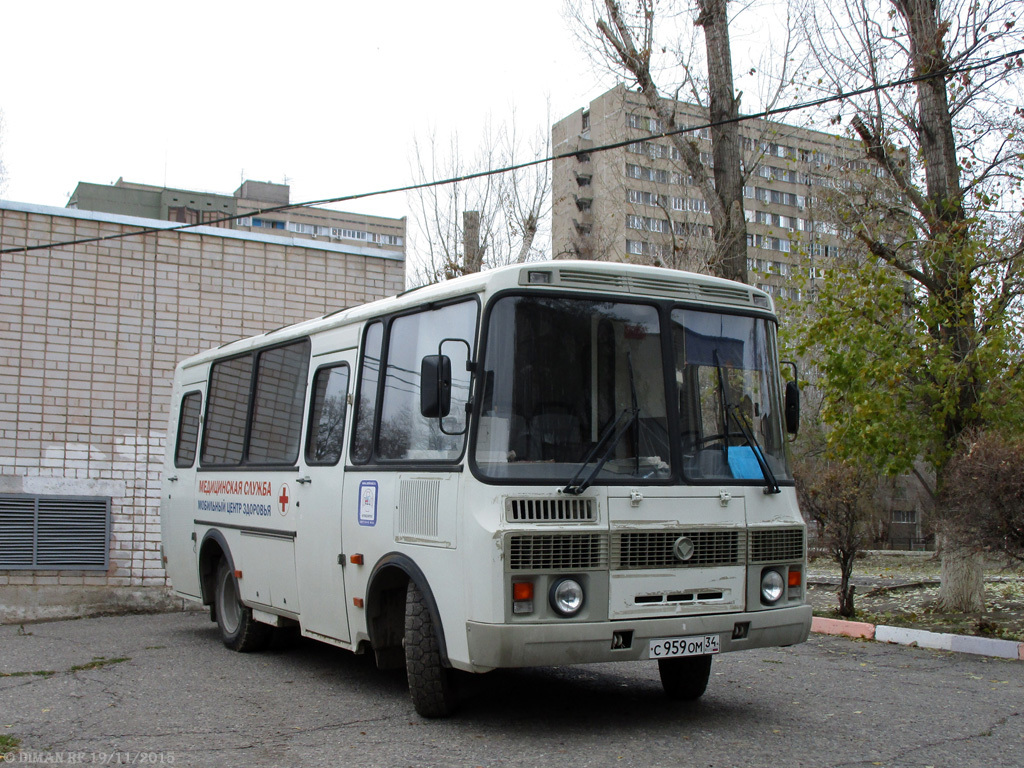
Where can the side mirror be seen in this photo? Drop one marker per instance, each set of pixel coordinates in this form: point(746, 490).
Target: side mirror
point(792, 407)
point(435, 386)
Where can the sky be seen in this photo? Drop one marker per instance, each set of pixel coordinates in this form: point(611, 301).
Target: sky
point(326, 96)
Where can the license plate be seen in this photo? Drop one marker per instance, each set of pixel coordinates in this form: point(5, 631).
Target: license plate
point(671, 647)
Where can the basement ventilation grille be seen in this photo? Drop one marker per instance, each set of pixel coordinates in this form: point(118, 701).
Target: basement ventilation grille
point(54, 533)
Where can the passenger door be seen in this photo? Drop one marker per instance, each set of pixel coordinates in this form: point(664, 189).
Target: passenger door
point(317, 494)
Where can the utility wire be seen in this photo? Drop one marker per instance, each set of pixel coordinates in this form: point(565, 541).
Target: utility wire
point(945, 72)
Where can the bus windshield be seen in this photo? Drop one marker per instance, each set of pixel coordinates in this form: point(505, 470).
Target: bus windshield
point(560, 372)
point(576, 388)
point(729, 401)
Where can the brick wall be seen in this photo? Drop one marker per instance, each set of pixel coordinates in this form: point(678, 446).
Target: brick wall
point(90, 335)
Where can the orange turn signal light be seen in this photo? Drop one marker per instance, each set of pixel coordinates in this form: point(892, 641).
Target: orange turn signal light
point(795, 578)
point(356, 559)
point(522, 590)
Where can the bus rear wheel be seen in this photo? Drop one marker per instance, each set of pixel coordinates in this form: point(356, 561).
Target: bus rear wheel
point(238, 629)
point(685, 678)
point(430, 683)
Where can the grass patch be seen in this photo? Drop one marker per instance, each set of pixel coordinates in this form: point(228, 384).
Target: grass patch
point(8, 745)
point(903, 592)
point(98, 662)
point(38, 673)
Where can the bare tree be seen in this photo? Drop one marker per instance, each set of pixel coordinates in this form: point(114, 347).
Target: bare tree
point(631, 41)
point(984, 493)
point(511, 209)
point(937, 244)
point(837, 496)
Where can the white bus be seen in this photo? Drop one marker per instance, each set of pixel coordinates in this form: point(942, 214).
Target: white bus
point(542, 464)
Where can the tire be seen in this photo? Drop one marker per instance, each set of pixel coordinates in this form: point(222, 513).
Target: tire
point(238, 629)
point(685, 678)
point(430, 683)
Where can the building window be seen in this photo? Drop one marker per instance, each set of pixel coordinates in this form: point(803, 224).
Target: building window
point(54, 533)
point(904, 516)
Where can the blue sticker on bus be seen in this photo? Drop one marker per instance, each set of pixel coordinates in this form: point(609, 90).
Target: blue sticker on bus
point(368, 502)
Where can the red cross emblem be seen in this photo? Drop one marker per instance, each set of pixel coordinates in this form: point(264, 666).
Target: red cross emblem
point(283, 499)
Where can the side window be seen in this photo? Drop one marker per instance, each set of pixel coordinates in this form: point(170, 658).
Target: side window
point(226, 411)
point(327, 415)
point(405, 433)
point(188, 430)
point(366, 408)
point(256, 420)
point(279, 400)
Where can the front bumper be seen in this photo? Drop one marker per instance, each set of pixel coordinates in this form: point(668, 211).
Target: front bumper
point(493, 646)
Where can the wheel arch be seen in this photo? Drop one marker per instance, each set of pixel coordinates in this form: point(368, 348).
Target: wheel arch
point(214, 547)
point(393, 572)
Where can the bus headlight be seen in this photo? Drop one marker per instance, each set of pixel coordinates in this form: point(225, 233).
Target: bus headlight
point(566, 597)
point(772, 586)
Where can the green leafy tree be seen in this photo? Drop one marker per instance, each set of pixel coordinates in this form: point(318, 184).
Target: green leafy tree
point(917, 332)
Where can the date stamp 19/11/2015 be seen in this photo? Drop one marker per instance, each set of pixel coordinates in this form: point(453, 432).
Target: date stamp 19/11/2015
point(30, 757)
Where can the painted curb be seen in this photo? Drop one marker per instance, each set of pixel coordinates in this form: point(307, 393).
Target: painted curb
point(843, 628)
point(979, 646)
point(918, 637)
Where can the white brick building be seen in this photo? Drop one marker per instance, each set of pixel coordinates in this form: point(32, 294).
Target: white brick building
point(90, 335)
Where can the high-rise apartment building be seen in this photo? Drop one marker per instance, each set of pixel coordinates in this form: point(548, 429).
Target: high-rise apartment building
point(193, 207)
point(638, 203)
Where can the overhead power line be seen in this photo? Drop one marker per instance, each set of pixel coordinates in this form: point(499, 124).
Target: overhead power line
point(945, 72)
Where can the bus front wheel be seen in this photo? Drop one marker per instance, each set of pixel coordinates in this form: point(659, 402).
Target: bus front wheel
point(238, 629)
point(430, 682)
point(685, 678)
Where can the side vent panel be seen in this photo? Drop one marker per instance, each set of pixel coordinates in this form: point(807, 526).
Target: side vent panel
point(418, 509)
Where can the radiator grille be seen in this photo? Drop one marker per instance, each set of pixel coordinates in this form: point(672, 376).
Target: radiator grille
point(550, 510)
point(776, 545)
point(656, 549)
point(557, 552)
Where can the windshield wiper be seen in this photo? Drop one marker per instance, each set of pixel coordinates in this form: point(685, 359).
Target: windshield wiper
point(574, 487)
point(729, 409)
point(748, 434)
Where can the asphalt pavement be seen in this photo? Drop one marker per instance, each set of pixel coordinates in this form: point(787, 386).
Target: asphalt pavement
point(162, 690)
